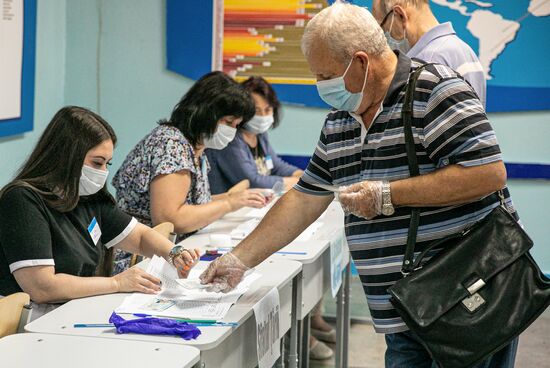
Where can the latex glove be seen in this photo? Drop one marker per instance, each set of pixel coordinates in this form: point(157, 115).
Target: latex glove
point(224, 273)
point(363, 199)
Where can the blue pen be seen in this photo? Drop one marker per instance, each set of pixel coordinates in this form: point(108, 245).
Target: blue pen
point(142, 315)
point(102, 325)
point(220, 324)
point(292, 253)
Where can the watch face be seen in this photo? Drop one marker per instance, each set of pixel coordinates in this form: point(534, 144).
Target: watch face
point(387, 210)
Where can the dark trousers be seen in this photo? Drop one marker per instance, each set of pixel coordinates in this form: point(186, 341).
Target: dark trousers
point(404, 350)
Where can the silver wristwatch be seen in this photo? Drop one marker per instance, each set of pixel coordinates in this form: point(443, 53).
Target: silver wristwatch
point(387, 206)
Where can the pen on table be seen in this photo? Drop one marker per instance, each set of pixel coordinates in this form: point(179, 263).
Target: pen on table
point(200, 324)
point(178, 319)
point(194, 321)
point(81, 325)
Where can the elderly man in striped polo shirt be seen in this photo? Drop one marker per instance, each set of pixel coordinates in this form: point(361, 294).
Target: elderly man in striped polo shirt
point(362, 147)
point(411, 27)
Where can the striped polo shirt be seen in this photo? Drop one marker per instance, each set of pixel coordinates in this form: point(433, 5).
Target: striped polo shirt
point(449, 127)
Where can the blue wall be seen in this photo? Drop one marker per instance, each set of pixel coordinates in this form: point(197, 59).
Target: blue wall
point(49, 81)
point(110, 56)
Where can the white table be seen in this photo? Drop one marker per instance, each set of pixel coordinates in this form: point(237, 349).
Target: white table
point(314, 280)
point(59, 351)
point(219, 346)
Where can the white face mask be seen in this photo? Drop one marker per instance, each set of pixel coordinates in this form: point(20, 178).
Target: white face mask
point(91, 180)
point(259, 124)
point(221, 138)
point(403, 45)
point(333, 92)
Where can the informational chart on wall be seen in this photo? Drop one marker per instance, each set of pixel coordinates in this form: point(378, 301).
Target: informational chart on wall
point(17, 48)
point(250, 37)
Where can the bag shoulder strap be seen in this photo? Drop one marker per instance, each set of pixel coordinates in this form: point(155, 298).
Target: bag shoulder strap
point(406, 116)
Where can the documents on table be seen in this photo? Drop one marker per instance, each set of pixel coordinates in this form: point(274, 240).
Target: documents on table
point(260, 212)
point(184, 298)
point(244, 229)
point(268, 334)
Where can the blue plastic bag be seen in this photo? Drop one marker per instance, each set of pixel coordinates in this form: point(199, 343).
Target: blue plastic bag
point(155, 326)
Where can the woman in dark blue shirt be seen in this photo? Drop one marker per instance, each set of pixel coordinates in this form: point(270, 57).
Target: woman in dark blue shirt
point(249, 155)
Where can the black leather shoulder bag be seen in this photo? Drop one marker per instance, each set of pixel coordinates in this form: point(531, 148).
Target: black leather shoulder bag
point(479, 292)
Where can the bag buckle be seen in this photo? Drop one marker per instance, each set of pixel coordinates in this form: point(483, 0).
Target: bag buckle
point(474, 301)
point(405, 273)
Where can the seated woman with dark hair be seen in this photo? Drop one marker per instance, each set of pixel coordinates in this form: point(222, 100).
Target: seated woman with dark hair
point(250, 155)
point(165, 176)
point(57, 219)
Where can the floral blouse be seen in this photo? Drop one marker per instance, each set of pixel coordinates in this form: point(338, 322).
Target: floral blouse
point(163, 151)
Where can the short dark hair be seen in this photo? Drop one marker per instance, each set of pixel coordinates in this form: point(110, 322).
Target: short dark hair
point(259, 85)
point(54, 167)
point(212, 97)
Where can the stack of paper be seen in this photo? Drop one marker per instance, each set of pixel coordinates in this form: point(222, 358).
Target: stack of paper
point(184, 298)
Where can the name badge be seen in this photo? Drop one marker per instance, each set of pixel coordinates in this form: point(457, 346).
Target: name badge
point(204, 169)
point(268, 162)
point(94, 230)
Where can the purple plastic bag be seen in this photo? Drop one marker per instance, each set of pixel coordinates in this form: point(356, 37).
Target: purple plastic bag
point(155, 326)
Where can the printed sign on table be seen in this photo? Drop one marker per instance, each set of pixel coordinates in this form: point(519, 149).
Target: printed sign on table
point(267, 312)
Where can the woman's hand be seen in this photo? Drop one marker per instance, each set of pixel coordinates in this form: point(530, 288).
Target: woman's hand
point(135, 279)
point(185, 261)
point(246, 198)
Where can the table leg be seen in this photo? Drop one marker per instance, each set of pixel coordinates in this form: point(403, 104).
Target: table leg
point(304, 346)
point(346, 320)
point(280, 363)
point(339, 348)
point(293, 358)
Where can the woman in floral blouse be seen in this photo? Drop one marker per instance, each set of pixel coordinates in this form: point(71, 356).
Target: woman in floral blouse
point(165, 176)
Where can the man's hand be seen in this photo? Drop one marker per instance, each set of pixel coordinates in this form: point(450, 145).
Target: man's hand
point(224, 273)
point(363, 199)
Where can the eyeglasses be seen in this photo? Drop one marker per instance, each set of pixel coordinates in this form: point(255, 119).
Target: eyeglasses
point(385, 18)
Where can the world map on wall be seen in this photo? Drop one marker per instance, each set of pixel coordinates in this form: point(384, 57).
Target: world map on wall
point(509, 37)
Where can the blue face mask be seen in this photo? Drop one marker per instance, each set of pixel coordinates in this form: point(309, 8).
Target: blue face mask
point(334, 92)
point(403, 46)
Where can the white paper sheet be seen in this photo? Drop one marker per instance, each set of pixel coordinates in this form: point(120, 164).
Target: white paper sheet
point(260, 212)
point(180, 301)
point(11, 58)
point(244, 229)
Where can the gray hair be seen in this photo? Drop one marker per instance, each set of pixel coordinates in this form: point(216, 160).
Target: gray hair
point(387, 5)
point(345, 29)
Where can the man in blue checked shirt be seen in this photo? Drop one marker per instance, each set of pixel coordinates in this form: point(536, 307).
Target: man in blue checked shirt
point(362, 151)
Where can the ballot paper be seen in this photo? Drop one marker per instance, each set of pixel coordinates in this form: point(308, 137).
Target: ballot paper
point(244, 229)
point(261, 212)
point(184, 298)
